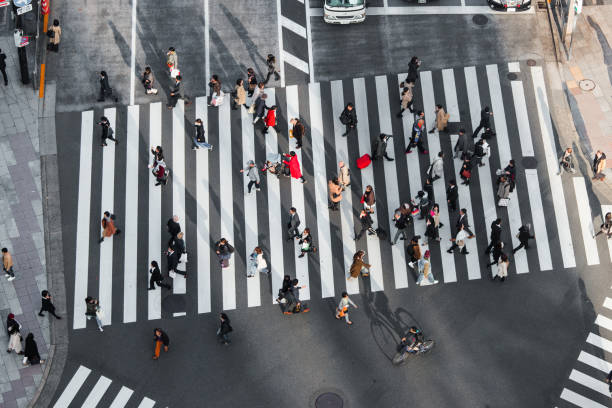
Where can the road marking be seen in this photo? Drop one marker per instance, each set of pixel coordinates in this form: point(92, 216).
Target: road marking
point(505, 155)
point(202, 215)
point(75, 384)
point(450, 93)
point(326, 269)
point(556, 187)
point(207, 44)
point(179, 314)
point(462, 3)
point(393, 196)
point(309, 39)
point(179, 285)
point(154, 310)
point(579, 400)
point(94, 397)
point(346, 205)
point(274, 213)
point(250, 208)
point(421, 10)
point(133, 53)
point(81, 265)
point(122, 398)
point(297, 194)
point(589, 382)
point(603, 321)
point(608, 303)
point(281, 54)
point(448, 260)
point(367, 178)
point(514, 67)
point(130, 265)
point(293, 26)
point(600, 342)
point(146, 403)
point(604, 210)
point(295, 62)
point(226, 199)
point(386, 3)
point(522, 119)
point(586, 221)
point(105, 295)
point(538, 219)
point(595, 362)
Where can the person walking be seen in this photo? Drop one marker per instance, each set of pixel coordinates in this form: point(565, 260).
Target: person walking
point(496, 231)
point(599, 165)
point(502, 268)
point(463, 221)
point(305, 241)
point(293, 303)
point(257, 263)
point(177, 91)
point(503, 191)
point(433, 224)
point(401, 224)
point(413, 66)
point(294, 166)
point(485, 121)
point(271, 63)
point(3, 67)
point(452, 195)
point(107, 130)
point(156, 277)
point(239, 95)
point(258, 91)
point(609, 381)
point(462, 145)
point(416, 139)
point(7, 264)
point(566, 162)
point(348, 118)
point(406, 101)
point(466, 170)
point(292, 224)
point(335, 194)
point(252, 173)
point(172, 261)
point(379, 150)
point(251, 81)
point(282, 292)
point(148, 81)
point(606, 227)
point(93, 309)
point(343, 307)
point(55, 34)
point(199, 141)
point(524, 235)
point(31, 355)
point(368, 199)
point(498, 250)
point(108, 226)
point(178, 245)
point(260, 107)
point(441, 119)
point(224, 329)
point(414, 251)
point(270, 120)
point(481, 150)
point(366, 224)
point(297, 132)
point(421, 201)
point(105, 88)
point(436, 168)
point(172, 62)
point(173, 227)
point(344, 175)
point(13, 328)
point(425, 275)
point(359, 266)
point(217, 96)
point(459, 241)
point(160, 338)
point(47, 305)
point(224, 251)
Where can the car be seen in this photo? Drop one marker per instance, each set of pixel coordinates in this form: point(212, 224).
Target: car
point(510, 5)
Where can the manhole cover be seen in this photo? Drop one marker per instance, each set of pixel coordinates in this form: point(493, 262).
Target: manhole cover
point(329, 400)
point(512, 76)
point(480, 19)
point(529, 162)
point(587, 85)
point(531, 62)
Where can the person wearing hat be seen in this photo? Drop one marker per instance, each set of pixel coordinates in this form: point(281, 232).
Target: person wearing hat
point(253, 174)
point(425, 271)
point(13, 327)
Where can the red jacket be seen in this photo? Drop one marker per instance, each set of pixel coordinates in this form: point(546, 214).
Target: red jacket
point(271, 118)
point(160, 172)
point(294, 166)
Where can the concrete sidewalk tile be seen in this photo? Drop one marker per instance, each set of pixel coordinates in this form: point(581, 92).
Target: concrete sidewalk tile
point(18, 388)
point(571, 84)
point(22, 402)
point(576, 72)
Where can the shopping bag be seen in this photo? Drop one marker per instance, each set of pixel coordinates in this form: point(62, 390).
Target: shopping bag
point(503, 202)
point(364, 161)
point(174, 72)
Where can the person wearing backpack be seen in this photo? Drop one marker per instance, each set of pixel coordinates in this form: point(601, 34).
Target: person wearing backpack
point(348, 118)
point(481, 150)
point(379, 148)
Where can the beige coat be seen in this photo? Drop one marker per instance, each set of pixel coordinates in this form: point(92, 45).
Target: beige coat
point(502, 268)
point(240, 95)
point(7, 261)
point(441, 119)
point(601, 166)
point(57, 36)
point(335, 192)
point(344, 177)
point(357, 266)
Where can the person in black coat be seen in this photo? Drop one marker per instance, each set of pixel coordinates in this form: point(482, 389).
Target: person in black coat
point(173, 228)
point(401, 224)
point(379, 149)
point(178, 245)
point(524, 235)
point(495, 235)
point(293, 224)
point(172, 260)
point(498, 250)
point(452, 195)
point(224, 250)
point(105, 88)
point(47, 305)
point(3, 67)
point(107, 132)
point(366, 224)
point(348, 117)
point(156, 277)
point(413, 66)
point(260, 107)
point(485, 121)
point(160, 338)
point(31, 351)
point(224, 329)
point(463, 221)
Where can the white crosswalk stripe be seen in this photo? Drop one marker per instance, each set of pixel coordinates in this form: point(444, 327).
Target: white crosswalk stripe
point(259, 219)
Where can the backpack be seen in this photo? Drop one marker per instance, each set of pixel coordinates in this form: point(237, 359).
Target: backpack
point(478, 150)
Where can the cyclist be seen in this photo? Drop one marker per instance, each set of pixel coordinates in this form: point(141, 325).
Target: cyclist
point(412, 341)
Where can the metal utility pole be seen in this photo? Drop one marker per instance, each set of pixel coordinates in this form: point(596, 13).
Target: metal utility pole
point(574, 7)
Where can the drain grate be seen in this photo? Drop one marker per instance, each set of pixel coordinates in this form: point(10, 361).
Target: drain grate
point(329, 400)
point(586, 85)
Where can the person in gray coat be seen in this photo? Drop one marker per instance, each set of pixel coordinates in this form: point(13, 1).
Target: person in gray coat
point(379, 149)
point(260, 107)
point(253, 175)
point(463, 144)
point(436, 169)
point(293, 224)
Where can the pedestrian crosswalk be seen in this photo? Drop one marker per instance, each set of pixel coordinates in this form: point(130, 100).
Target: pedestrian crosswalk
point(87, 389)
point(587, 387)
point(209, 194)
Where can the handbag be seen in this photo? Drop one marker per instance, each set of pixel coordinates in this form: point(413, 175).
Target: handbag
point(503, 202)
point(362, 199)
point(174, 72)
point(50, 33)
point(172, 274)
point(466, 173)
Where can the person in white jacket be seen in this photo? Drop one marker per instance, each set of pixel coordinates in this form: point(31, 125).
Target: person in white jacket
point(257, 263)
point(343, 307)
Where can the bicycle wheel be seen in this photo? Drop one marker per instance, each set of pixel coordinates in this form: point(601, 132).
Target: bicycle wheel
point(399, 358)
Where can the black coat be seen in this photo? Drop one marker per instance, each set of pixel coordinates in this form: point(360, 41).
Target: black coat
point(47, 305)
point(156, 274)
point(224, 249)
point(172, 259)
point(349, 117)
point(366, 222)
point(163, 337)
point(178, 246)
point(173, 227)
point(12, 326)
point(31, 350)
point(462, 220)
point(452, 193)
point(200, 134)
point(524, 235)
point(225, 327)
point(495, 232)
point(401, 222)
point(485, 118)
point(104, 83)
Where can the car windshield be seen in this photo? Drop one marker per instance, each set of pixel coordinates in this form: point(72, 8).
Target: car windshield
point(344, 3)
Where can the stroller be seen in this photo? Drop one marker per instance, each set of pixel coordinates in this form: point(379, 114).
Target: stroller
point(274, 165)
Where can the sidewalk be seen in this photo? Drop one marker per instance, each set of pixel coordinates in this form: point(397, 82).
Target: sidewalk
point(21, 231)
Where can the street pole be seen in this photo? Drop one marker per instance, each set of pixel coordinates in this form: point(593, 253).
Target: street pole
point(575, 7)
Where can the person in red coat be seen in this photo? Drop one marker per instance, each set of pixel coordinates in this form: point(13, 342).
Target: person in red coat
point(270, 119)
point(294, 166)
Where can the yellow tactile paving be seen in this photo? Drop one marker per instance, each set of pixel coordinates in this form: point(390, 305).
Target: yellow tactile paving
point(576, 73)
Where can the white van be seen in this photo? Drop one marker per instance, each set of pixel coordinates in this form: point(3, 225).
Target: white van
point(344, 11)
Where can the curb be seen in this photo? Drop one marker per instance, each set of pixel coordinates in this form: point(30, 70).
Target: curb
point(58, 349)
